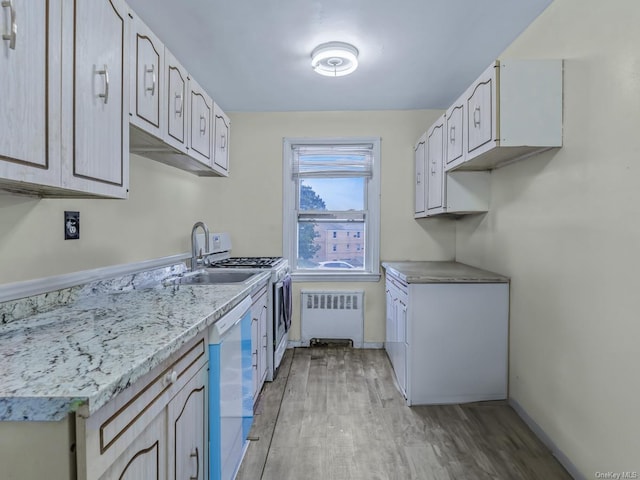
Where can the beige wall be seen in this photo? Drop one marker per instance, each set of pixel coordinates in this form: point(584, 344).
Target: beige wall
point(565, 225)
point(255, 219)
point(165, 202)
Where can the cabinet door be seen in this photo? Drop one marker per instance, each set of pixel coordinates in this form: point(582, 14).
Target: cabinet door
point(435, 164)
point(255, 349)
point(145, 457)
point(389, 324)
point(222, 126)
point(455, 134)
point(481, 114)
point(402, 348)
point(96, 134)
point(176, 104)
point(187, 430)
point(147, 81)
point(201, 108)
point(262, 353)
point(30, 91)
point(420, 180)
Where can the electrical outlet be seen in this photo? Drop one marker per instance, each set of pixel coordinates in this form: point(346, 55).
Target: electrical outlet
point(71, 225)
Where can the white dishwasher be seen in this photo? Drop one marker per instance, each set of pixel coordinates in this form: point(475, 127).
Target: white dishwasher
point(230, 391)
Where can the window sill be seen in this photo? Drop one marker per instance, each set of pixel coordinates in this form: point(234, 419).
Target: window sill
point(335, 277)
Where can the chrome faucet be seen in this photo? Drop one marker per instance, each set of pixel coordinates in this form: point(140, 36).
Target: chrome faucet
point(194, 253)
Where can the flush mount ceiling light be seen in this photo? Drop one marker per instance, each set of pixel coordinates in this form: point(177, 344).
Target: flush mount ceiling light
point(334, 59)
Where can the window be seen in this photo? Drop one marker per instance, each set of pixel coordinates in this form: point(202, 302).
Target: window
point(332, 195)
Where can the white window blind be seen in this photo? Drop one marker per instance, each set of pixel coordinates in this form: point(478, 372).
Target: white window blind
point(332, 161)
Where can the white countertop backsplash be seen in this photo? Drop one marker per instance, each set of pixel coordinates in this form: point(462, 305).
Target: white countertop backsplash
point(83, 345)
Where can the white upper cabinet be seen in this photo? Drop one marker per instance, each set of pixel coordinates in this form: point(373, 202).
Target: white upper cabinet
point(171, 115)
point(455, 136)
point(420, 180)
point(514, 109)
point(454, 193)
point(29, 93)
point(147, 77)
point(201, 113)
point(176, 79)
point(222, 126)
point(95, 100)
point(435, 163)
point(64, 114)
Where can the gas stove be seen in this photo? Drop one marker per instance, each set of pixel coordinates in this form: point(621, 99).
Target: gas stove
point(247, 262)
point(219, 256)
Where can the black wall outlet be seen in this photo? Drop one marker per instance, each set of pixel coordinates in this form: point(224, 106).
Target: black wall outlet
point(71, 225)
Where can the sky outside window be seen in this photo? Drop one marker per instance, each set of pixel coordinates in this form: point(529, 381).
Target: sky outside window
point(338, 193)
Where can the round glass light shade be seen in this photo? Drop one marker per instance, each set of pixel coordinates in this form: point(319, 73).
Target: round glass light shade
point(334, 59)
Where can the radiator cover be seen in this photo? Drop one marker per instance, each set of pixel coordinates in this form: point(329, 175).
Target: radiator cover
point(335, 315)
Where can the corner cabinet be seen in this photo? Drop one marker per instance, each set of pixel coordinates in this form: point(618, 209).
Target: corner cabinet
point(155, 429)
point(447, 342)
point(513, 110)
point(65, 113)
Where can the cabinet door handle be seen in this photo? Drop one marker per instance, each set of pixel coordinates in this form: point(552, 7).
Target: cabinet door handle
point(254, 365)
point(419, 179)
point(476, 116)
point(203, 125)
point(152, 71)
point(223, 137)
point(452, 134)
point(13, 29)
point(197, 455)
point(178, 101)
point(105, 72)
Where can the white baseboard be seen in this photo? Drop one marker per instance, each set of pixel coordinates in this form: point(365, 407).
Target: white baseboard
point(544, 438)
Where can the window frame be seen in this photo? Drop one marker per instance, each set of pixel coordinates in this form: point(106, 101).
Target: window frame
point(372, 219)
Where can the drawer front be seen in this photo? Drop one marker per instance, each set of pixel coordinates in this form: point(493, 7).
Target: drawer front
point(112, 429)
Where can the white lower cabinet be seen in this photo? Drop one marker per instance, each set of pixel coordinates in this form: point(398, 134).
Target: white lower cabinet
point(447, 342)
point(155, 429)
point(259, 317)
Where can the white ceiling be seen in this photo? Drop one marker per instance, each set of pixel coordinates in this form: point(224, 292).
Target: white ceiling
point(254, 55)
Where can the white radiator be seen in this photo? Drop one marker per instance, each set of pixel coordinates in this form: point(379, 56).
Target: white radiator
point(335, 315)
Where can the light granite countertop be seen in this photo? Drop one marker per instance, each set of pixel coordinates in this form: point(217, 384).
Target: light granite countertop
point(88, 350)
point(441, 272)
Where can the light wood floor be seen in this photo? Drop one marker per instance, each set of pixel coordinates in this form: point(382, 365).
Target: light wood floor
point(335, 414)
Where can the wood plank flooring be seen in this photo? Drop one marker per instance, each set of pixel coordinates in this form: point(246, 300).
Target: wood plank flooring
point(335, 414)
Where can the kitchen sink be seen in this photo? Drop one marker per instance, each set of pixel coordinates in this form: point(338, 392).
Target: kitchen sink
point(211, 277)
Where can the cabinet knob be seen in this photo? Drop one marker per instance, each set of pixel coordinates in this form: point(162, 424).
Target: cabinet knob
point(170, 378)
